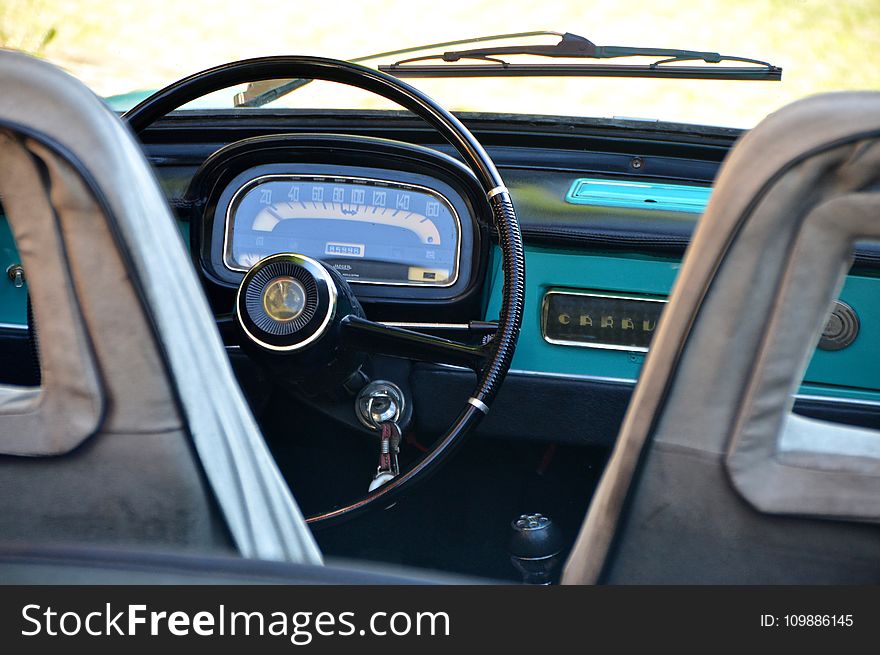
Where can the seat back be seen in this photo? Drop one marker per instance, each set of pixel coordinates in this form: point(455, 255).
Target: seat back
point(138, 433)
point(713, 479)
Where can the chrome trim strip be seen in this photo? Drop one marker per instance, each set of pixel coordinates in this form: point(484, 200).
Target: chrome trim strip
point(577, 377)
point(426, 326)
point(453, 367)
point(545, 308)
point(479, 404)
point(838, 401)
point(244, 188)
point(596, 346)
point(13, 326)
point(496, 191)
point(546, 374)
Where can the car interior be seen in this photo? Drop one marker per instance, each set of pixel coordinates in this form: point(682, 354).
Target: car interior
point(587, 351)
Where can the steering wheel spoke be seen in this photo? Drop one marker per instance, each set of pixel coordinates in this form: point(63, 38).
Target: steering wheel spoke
point(368, 336)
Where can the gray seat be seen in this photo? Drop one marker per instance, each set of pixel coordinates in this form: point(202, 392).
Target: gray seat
point(138, 435)
point(713, 479)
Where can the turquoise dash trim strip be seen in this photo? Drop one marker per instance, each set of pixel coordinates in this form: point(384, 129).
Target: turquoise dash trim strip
point(638, 195)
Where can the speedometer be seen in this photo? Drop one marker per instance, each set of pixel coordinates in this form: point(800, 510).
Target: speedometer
point(372, 231)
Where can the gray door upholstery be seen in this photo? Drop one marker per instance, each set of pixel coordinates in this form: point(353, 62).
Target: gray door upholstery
point(139, 434)
point(713, 480)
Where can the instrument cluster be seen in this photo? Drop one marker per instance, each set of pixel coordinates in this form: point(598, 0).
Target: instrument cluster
point(373, 231)
point(401, 223)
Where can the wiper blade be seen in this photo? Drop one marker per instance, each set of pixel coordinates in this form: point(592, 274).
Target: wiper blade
point(572, 46)
point(261, 93)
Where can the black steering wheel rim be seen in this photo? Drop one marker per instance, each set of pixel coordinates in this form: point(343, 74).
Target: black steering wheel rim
point(491, 375)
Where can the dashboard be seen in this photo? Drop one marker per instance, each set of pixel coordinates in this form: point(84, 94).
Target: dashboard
point(408, 226)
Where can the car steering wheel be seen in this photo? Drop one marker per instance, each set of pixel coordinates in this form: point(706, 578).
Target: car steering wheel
point(492, 361)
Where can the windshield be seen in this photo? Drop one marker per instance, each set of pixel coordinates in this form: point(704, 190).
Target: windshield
point(124, 50)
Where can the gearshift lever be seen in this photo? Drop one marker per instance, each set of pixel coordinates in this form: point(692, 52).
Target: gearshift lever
point(534, 548)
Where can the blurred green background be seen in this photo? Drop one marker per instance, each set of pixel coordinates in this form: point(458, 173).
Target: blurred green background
point(118, 47)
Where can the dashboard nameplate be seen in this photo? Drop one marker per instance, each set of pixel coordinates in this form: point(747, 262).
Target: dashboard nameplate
point(597, 320)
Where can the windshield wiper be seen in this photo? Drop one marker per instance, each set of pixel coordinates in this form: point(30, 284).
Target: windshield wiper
point(572, 46)
point(258, 94)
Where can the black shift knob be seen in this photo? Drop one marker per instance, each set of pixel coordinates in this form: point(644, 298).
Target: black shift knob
point(535, 544)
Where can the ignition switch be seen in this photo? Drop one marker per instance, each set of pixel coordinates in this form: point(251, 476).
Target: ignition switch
point(380, 402)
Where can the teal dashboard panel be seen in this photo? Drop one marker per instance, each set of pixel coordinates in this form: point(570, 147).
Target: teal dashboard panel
point(853, 372)
point(548, 269)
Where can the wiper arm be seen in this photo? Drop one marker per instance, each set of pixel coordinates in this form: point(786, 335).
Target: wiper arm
point(258, 94)
point(572, 46)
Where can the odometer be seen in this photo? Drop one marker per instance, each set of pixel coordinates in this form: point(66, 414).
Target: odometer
point(372, 231)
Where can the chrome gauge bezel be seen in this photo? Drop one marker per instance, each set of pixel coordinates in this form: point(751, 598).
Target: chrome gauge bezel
point(239, 194)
